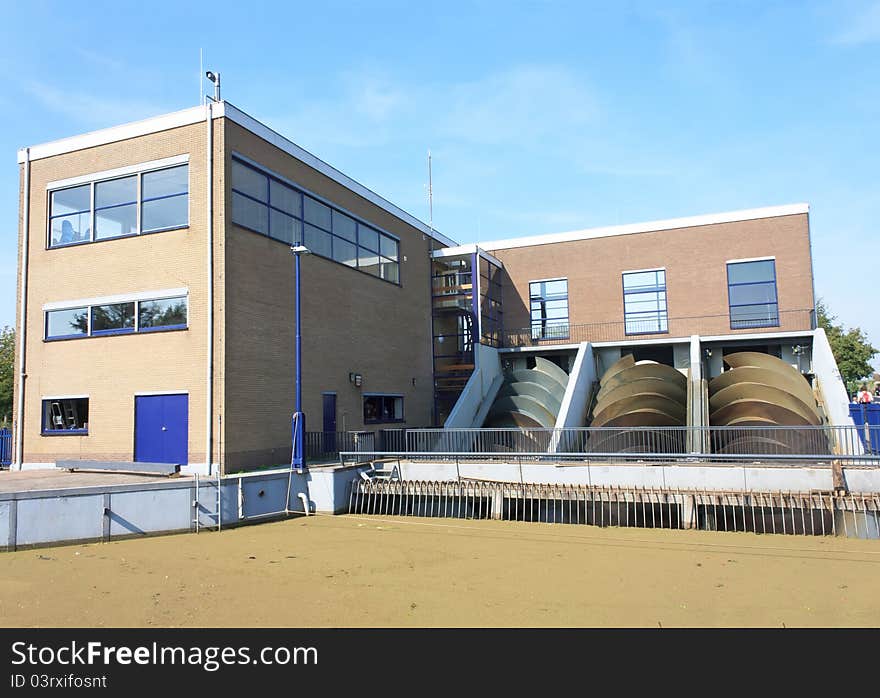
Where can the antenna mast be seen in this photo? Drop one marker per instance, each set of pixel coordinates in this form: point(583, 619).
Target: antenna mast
point(430, 195)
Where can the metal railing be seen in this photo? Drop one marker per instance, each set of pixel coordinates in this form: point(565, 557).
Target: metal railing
point(778, 445)
point(325, 446)
point(5, 448)
point(791, 513)
point(782, 321)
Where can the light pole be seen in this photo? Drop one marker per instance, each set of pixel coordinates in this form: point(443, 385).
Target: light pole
point(298, 428)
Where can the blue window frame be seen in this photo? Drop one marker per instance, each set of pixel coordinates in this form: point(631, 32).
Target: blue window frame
point(68, 323)
point(113, 318)
point(145, 202)
point(70, 215)
point(266, 205)
point(644, 302)
point(751, 289)
point(548, 301)
point(127, 317)
point(65, 416)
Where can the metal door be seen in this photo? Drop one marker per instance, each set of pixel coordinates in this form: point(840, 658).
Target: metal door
point(161, 430)
point(329, 445)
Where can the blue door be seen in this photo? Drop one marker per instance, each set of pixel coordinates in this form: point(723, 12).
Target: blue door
point(329, 404)
point(161, 428)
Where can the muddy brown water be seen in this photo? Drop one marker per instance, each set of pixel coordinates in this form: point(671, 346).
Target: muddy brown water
point(349, 571)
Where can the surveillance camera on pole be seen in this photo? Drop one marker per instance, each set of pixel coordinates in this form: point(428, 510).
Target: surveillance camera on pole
point(215, 78)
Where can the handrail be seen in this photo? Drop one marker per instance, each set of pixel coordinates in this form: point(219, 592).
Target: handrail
point(620, 330)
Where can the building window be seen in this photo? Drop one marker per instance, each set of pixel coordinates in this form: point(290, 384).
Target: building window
point(67, 323)
point(112, 319)
point(751, 288)
point(276, 209)
point(62, 416)
point(383, 408)
point(145, 202)
point(117, 318)
point(165, 314)
point(644, 302)
point(549, 308)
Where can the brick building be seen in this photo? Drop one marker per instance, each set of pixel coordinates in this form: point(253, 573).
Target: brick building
point(156, 295)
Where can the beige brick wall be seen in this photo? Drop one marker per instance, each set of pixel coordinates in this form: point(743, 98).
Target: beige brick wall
point(696, 273)
point(112, 369)
point(352, 322)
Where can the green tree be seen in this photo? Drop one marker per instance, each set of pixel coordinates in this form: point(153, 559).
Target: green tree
point(851, 348)
point(7, 373)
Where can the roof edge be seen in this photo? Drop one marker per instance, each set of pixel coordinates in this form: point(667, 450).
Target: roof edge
point(196, 114)
point(649, 226)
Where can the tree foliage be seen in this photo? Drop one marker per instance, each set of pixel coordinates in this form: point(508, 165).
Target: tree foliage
point(851, 348)
point(7, 372)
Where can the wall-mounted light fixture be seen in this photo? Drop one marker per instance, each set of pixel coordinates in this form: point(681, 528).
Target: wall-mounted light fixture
point(356, 378)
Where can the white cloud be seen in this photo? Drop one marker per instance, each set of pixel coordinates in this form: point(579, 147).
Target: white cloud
point(523, 103)
point(90, 109)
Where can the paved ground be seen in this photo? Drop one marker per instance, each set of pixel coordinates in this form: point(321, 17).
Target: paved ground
point(364, 571)
point(24, 480)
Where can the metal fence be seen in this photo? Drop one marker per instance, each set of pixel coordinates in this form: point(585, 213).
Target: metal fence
point(326, 445)
point(5, 448)
point(536, 335)
point(791, 513)
point(818, 445)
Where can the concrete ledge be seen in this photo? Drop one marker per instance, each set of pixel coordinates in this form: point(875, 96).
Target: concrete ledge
point(120, 466)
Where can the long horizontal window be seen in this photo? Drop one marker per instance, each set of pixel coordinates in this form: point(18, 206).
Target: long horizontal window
point(117, 318)
point(145, 202)
point(65, 416)
point(273, 208)
point(644, 302)
point(751, 288)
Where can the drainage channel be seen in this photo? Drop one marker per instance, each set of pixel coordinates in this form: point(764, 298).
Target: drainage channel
point(787, 513)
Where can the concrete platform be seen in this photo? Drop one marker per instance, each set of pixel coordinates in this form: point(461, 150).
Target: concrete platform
point(41, 480)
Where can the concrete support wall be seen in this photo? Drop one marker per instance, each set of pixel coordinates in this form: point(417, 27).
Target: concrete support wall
point(101, 513)
point(479, 393)
point(605, 357)
point(833, 391)
point(683, 476)
point(576, 400)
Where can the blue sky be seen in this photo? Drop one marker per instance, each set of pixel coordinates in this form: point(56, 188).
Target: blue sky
point(541, 116)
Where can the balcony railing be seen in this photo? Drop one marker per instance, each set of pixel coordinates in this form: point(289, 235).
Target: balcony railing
point(537, 335)
point(776, 445)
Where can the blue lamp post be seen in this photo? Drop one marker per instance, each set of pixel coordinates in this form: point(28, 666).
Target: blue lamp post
point(298, 425)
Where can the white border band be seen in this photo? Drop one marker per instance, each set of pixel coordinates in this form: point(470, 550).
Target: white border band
point(650, 226)
point(119, 172)
point(118, 298)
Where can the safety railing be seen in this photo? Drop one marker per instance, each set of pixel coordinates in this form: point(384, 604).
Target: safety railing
point(5, 448)
point(778, 445)
point(325, 446)
point(791, 513)
point(550, 334)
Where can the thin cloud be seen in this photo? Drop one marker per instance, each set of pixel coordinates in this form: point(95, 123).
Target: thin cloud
point(372, 109)
point(92, 110)
point(522, 103)
point(863, 28)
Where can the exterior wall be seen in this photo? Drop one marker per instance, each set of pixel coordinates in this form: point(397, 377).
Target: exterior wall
point(696, 275)
point(111, 369)
point(352, 322)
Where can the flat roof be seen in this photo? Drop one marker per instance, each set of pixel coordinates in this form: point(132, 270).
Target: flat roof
point(648, 227)
point(461, 250)
point(223, 109)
